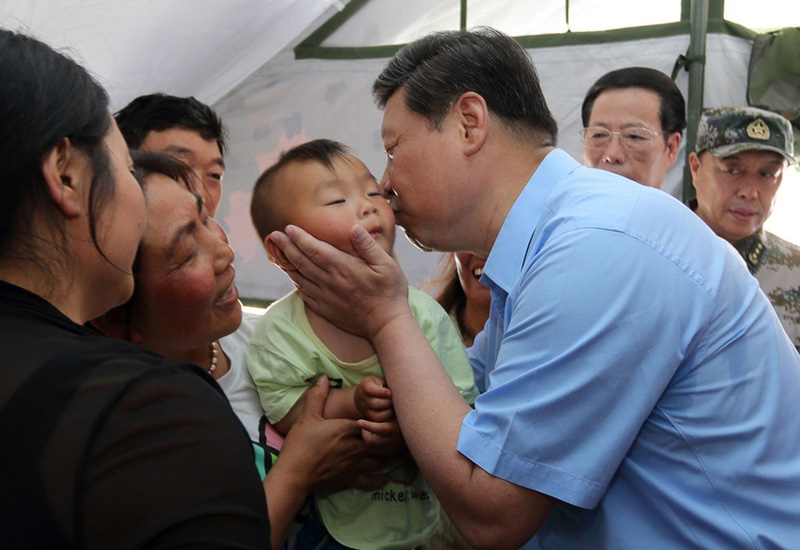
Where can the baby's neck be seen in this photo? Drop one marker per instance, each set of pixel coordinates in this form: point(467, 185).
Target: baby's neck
point(347, 347)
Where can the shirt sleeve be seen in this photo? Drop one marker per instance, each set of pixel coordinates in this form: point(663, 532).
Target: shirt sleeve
point(591, 339)
point(477, 360)
point(171, 467)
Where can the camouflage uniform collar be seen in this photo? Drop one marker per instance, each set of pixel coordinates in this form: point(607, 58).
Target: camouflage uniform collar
point(752, 249)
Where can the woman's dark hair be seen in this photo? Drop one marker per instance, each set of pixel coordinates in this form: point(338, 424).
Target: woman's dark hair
point(436, 69)
point(147, 163)
point(45, 97)
point(451, 295)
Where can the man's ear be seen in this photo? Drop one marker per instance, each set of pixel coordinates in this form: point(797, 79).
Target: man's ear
point(472, 115)
point(63, 168)
point(694, 166)
point(115, 323)
point(673, 144)
point(276, 255)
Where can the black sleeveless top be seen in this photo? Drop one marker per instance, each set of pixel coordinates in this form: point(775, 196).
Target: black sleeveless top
point(106, 445)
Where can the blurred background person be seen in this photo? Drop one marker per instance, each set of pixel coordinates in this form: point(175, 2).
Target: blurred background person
point(633, 122)
point(184, 128)
point(737, 168)
point(461, 293)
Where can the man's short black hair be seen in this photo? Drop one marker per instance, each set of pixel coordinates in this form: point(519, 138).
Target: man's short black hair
point(673, 106)
point(159, 112)
point(436, 69)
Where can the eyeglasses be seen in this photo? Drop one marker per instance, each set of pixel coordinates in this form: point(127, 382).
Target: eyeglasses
point(632, 139)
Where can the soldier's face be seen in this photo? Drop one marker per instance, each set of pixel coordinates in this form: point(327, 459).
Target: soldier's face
point(735, 194)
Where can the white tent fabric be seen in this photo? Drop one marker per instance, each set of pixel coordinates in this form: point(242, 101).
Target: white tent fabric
point(392, 22)
point(202, 48)
point(237, 55)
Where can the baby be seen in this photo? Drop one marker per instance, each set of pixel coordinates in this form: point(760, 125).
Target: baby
point(320, 187)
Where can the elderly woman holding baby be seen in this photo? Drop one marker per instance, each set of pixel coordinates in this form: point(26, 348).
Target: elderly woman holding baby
point(185, 307)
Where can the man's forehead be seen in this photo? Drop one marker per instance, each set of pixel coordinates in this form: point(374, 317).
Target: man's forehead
point(607, 109)
point(395, 108)
point(386, 125)
point(766, 156)
point(637, 90)
point(181, 142)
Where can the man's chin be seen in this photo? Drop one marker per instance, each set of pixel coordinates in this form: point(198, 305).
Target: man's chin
point(739, 232)
point(416, 241)
point(614, 169)
point(623, 173)
point(419, 244)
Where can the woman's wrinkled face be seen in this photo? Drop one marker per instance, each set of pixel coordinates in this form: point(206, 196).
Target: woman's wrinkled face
point(185, 294)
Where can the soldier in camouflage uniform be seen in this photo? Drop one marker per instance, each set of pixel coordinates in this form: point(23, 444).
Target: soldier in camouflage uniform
point(737, 167)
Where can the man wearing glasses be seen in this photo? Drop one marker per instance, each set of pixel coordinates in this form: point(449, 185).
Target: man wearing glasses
point(737, 168)
point(633, 119)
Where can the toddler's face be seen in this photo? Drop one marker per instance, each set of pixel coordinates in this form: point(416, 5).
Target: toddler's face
point(328, 203)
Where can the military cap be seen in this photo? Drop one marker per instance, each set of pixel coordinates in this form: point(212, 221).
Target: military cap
point(729, 130)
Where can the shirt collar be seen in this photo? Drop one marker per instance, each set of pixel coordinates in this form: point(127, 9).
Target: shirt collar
point(511, 246)
point(752, 249)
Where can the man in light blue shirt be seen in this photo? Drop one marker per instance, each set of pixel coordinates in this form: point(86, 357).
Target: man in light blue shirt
point(644, 368)
point(638, 391)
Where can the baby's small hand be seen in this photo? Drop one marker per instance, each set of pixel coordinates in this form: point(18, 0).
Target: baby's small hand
point(373, 400)
point(383, 438)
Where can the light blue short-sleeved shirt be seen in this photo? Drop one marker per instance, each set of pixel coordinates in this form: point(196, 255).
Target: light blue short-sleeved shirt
point(632, 369)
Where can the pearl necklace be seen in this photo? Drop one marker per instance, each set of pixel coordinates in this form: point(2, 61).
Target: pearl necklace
point(213, 366)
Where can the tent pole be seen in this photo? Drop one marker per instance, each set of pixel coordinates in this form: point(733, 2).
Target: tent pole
point(697, 69)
